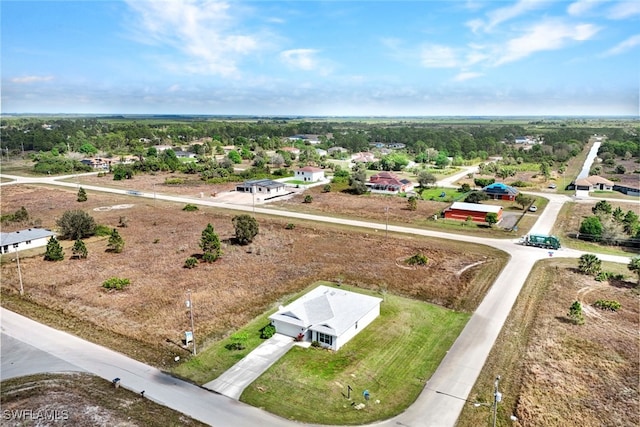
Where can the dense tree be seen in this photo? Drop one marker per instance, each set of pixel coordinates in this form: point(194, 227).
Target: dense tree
point(75, 225)
point(54, 250)
point(523, 200)
point(246, 228)
point(476, 197)
point(235, 157)
point(116, 242)
point(425, 178)
point(79, 249)
point(210, 244)
point(591, 229)
point(88, 149)
point(589, 264)
point(491, 218)
point(82, 195)
point(357, 181)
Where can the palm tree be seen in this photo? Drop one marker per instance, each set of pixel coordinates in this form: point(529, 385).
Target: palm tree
point(589, 264)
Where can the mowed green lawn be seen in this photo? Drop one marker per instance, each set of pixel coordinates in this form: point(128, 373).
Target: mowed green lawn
point(392, 358)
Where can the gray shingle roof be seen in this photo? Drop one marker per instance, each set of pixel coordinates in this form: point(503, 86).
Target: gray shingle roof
point(24, 235)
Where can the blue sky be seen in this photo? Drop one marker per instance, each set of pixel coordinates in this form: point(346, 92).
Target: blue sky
point(329, 58)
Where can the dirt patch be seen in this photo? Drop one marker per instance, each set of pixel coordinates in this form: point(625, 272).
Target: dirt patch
point(244, 282)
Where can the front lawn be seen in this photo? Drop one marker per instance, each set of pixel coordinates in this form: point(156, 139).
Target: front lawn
point(392, 358)
point(436, 194)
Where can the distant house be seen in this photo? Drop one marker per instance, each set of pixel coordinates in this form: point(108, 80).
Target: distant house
point(320, 152)
point(265, 188)
point(306, 138)
point(310, 174)
point(327, 315)
point(593, 183)
point(461, 211)
point(24, 239)
point(337, 150)
point(500, 191)
point(292, 150)
point(185, 154)
point(388, 182)
point(161, 148)
point(96, 163)
point(363, 157)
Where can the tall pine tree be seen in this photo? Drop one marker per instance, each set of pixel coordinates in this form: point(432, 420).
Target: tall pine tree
point(54, 250)
point(116, 242)
point(79, 249)
point(210, 244)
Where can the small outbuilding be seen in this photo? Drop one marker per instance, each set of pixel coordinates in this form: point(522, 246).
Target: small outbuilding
point(329, 316)
point(477, 212)
point(24, 239)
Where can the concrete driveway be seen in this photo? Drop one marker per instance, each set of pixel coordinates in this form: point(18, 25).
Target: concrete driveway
point(233, 381)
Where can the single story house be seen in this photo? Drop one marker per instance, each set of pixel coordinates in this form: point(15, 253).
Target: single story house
point(461, 211)
point(388, 183)
point(631, 188)
point(327, 315)
point(96, 163)
point(266, 188)
point(500, 191)
point(293, 150)
point(310, 174)
point(24, 239)
point(363, 157)
point(593, 183)
point(181, 154)
point(337, 150)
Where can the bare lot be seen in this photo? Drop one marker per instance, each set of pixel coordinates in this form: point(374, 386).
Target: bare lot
point(243, 283)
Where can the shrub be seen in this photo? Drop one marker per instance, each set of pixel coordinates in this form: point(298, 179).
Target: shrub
point(267, 332)
point(190, 262)
point(115, 283)
point(604, 304)
point(190, 207)
point(308, 198)
point(75, 225)
point(290, 226)
point(520, 184)
point(82, 195)
point(417, 259)
point(246, 228)
point(174, 181)
point(102, 230)
point(326, 188)
point(315, 344)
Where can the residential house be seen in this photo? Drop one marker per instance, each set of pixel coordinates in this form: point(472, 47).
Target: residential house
point(181, 154)
point(388, 183)
point(337, 150)
point(329, 316)
point(24, 239)
point(293, 150)
point(500, 191)
point(264, 188)
point(477, 212)
point(310, 174)
point(363, 157)
point(96, 163)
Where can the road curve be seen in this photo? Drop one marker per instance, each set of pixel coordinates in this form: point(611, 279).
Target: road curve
point(455, 376)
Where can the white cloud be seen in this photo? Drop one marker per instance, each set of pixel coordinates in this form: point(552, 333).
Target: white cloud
point(549, 35)
point(624, 10)
point(580, 7)
point(206, 32)
point(438, 56)
point(624, 46)
point(31, 79)
point(466, 75)
point(303, 59)
point(503, 14)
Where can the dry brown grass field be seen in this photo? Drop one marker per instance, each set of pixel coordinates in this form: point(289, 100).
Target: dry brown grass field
point(244, 282)
point(556, 373)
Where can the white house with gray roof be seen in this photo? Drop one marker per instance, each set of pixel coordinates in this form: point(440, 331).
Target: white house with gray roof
point(327, 315)
point(24, 239)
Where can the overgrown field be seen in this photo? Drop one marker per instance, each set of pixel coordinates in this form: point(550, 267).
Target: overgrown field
point(79, 399)
point(245, 282)
point(556, 373)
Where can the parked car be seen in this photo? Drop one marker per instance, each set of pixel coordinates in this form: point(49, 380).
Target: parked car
point(533, 208)
point(552, 185)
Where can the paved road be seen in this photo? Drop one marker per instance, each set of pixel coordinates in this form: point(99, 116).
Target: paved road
point(455, 376)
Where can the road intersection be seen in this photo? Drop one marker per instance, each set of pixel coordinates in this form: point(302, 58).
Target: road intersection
point(455, 376)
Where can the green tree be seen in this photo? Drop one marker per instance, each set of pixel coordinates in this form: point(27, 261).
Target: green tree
point(357, 181)
point(523, 200)
point(545, 170)
point(235, 157)
point(476, 197)
point(76, 224)
point(589, 264)
point(425, 179)
point(575, 313)
point(79, 249)
point(21, 215)
point(54, 250)
point(591, 229)
point(82, 195)
point(210, 244)
point(246, 228)
point(491, 218)
point(88, 149)
point(618, 214)
point(602, 209)
point(412, 203)
point(116, 242)
point(190, 262)
point(634, 267)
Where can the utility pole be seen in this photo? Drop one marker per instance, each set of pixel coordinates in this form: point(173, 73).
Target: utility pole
point(19, 272)
point(386, 228)
point(497, 397)
point(190, 306)
point(253, 193)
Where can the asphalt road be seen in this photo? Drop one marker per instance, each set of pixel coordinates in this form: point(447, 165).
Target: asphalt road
point(455, 376)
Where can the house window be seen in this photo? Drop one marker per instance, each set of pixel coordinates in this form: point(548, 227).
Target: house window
point(28, 242)
point(325, 339)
